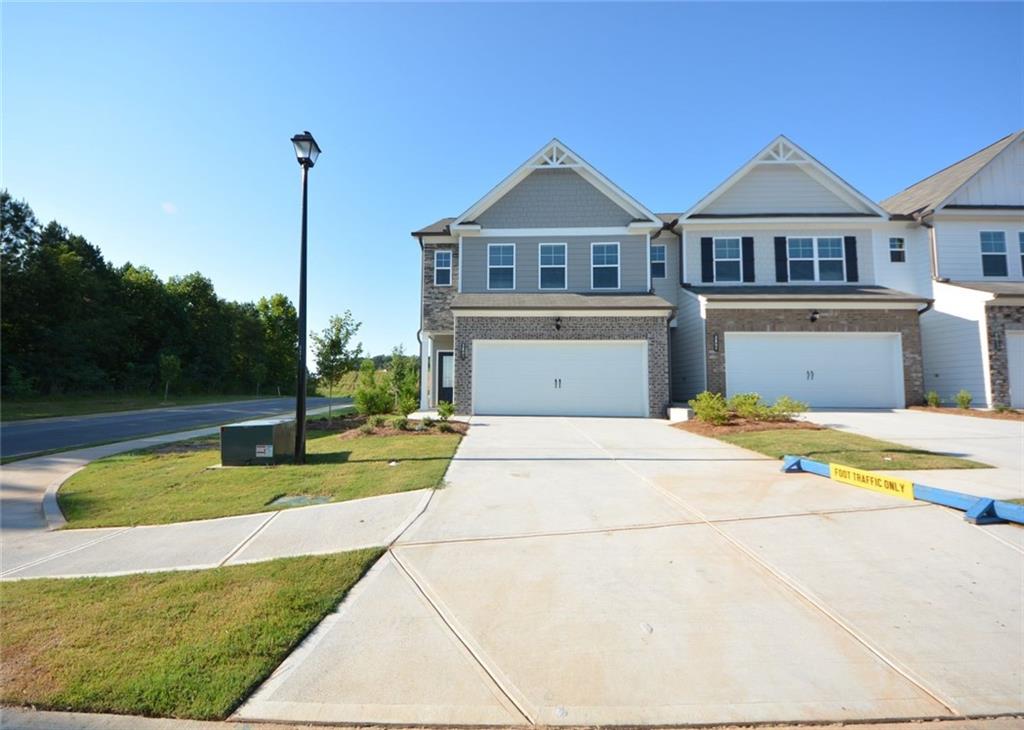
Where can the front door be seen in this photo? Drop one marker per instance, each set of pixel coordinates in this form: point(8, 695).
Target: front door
point(445, 377)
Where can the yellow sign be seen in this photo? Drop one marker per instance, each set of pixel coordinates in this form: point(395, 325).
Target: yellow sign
point(903, 488)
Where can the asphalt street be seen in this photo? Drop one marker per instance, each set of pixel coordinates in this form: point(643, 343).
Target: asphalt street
point(44, 434)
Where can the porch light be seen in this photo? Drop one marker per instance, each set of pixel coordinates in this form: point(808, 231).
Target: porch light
point(306, 149)
point(558, 323)
point(813, 317)
point(714, 342)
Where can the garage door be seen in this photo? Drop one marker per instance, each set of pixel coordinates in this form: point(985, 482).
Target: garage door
point(824, 370)
point(539, 378)
point(1015, 361)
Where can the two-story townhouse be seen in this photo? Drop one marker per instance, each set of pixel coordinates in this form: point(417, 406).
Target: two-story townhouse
point(558, 293)
point(787, 288)
point(542, 297)
point(972, 216)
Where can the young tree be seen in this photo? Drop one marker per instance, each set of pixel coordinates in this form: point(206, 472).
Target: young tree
point(170, 369)
point(403, 381)
point(335, 353)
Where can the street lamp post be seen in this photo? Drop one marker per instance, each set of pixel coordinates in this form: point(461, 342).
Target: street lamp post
point(306, 150)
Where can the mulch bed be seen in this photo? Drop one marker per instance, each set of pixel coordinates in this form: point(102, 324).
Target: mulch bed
point(743, 425)
point(974, 412)
point(348, 427)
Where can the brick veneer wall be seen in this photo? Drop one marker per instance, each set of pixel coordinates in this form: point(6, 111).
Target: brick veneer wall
point(904, 321)
point(1000, 319)
point(437, 300)
point(652, 329)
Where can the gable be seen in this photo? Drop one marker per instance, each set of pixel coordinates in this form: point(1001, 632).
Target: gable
point(775, 188)
point(783, 180)
point(554, 198)
point(1000, 182)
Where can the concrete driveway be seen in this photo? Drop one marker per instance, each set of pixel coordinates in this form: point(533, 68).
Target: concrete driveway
point(604, 571)
point(997, 442)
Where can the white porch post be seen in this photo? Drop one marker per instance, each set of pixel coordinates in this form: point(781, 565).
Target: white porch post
point(425, 356)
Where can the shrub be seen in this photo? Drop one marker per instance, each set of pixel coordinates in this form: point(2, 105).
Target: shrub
point(748, 405)
point(1003, 408)
point(963, 399)
point(932, 399)
point(366, 428)
point(785, 408)
point(445, 427)
point(375, 421)
point(400, 423)
point(372, 397)
point(710, 408)
point(407, 404)
point(445, 411)
point(427, 422)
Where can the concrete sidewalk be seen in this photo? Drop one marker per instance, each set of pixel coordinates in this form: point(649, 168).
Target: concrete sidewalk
point(620, 572)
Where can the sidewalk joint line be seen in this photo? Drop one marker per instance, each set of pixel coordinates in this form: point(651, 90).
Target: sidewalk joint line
point(787, 581)
point(66, 552)
point(249, 539)
point(458, 636)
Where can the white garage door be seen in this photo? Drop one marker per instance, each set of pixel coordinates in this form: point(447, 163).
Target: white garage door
point(824, 370)
point(542, 378)
point(1015, 361)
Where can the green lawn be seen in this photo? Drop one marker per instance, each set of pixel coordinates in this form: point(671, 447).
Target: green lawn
point(174, 482)
point(190, 644)
point(22, 409)
point(849, 449)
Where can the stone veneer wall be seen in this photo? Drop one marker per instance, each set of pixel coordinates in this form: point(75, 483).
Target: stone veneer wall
point(653, 329)
point(437, 300)
point(904, 321)
point(1000, 319)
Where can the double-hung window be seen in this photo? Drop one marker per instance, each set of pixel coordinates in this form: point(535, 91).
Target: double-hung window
point(816, 259)
point(501, 266)
point(727, 259)
point(604, 266)
point(657, 261)
point(897, 250)
point(442, 267)
point(552, 266)
point(993, 253)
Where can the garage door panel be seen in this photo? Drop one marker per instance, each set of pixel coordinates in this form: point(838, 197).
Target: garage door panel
point(582, 378)
point(841, 370)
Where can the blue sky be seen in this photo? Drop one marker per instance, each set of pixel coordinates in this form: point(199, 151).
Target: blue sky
point(160, 131)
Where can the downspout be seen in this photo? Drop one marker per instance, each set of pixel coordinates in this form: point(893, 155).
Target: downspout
point(934, 251)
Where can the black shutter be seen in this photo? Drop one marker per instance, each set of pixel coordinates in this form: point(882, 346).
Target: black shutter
point(707, 260)
point(850, 246)
point(748, 259)
point(781, 259)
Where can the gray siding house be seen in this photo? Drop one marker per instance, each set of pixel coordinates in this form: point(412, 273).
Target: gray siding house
point(557, 293)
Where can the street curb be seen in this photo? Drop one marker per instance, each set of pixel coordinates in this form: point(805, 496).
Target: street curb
point(51, 508)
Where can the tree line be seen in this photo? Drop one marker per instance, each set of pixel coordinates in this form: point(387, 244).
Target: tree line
point(73, 323)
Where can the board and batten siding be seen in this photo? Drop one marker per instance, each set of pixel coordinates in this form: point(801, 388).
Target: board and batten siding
point(954, 347)
point(687, 350)
point(778, 189)
point(555, 198)
point(1000, 182)
point(764, 253)
point(959, 247)
point(632, 262)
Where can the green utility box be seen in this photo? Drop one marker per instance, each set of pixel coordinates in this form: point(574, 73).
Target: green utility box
point(265, 442)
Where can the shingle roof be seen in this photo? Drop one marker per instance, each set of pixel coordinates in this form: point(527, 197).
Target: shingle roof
point(559, 301)
point(437, 228)
point(923, 196)
point(802, 292)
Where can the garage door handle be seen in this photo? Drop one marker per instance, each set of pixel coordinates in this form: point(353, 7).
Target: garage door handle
point(558, 382)
point(810, 375)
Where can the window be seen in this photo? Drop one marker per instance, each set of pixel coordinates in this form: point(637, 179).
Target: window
point(897, 250)
point(552, 266)
point(993, 253)
point(657, 261)
point(727, 259)
point(442, 268)
point(501, 266)
point(816, 259)
point(604, 260)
